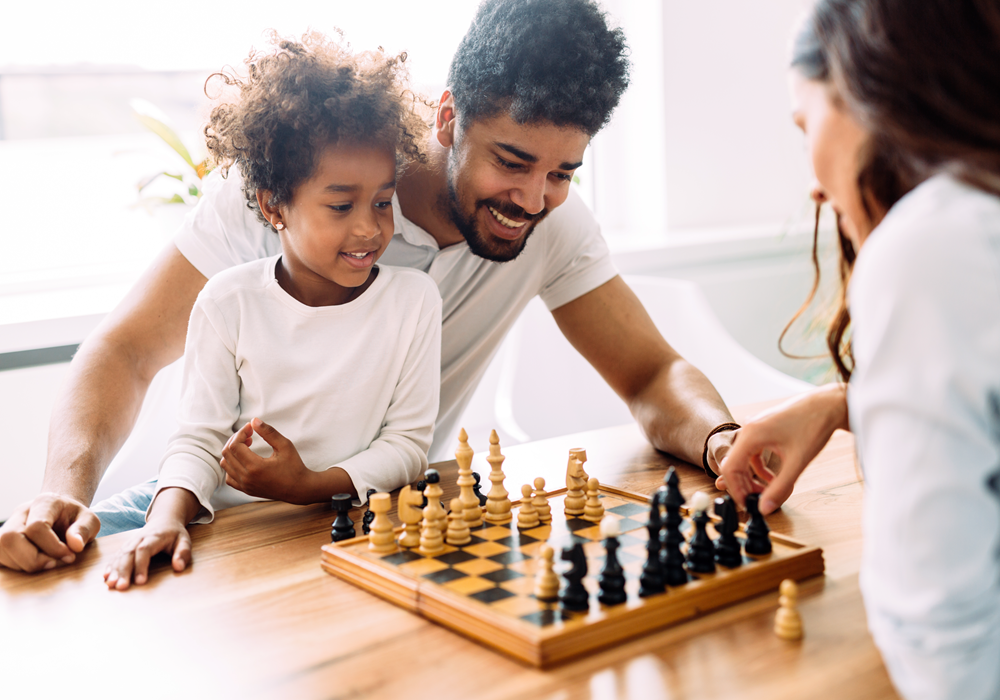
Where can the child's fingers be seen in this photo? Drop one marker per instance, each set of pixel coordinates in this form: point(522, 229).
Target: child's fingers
point(182, 552)
point(121, 570)
point(271, 436)
point(147, 549)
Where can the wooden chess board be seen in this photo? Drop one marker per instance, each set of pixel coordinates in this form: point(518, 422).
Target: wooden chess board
point(484, 589)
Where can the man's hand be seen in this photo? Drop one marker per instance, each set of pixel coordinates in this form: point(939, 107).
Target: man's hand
point(132, 561)
point(794, 432)
point(281, 477)
point(50, 529)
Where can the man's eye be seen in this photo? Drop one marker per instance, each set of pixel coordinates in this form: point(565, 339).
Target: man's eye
point(508, 164)
point(564, 176)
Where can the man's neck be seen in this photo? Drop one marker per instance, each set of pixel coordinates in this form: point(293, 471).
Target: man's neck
point(420, 190)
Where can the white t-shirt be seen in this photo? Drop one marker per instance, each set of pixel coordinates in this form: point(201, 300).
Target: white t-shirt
point(564, 258)
point(353, 386)
point(925, 406)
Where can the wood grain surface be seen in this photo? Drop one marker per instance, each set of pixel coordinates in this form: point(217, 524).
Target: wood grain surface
point(255, 616)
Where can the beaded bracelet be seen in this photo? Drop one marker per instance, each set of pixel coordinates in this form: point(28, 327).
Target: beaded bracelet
point(704, 454)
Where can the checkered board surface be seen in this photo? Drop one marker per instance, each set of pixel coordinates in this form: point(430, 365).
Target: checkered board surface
point(484, 589)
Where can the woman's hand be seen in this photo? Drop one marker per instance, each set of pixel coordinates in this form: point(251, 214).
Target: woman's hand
point(795, 432)
point(281, 477)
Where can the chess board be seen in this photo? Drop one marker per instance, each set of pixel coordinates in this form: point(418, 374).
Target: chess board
point(484, 589)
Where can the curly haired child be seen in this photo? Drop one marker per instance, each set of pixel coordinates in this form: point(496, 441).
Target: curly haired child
point(338, 354)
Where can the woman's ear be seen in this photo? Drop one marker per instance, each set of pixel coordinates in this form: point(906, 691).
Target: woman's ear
point(271, 213)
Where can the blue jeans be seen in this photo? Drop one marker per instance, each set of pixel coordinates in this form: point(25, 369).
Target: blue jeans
point(126, 510)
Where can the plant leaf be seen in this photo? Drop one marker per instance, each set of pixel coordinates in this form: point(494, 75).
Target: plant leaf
point(154, 120)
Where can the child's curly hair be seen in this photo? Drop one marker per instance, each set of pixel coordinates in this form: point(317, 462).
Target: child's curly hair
point(299, 98)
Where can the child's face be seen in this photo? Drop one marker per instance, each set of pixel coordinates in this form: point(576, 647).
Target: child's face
point(338, 223)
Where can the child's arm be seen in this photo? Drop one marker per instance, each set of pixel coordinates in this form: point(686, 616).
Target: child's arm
point(165, 531)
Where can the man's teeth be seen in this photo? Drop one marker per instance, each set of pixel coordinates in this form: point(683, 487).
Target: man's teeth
point(509, 223)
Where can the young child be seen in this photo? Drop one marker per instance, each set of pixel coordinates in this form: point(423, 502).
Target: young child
point(339, 355)
point(902, 133)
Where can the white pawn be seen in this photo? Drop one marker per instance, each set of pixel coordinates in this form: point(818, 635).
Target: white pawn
point(458, 528)
point(541, 501)
point(594, 510)
point(788, 622)
point(546, 580)
point(527, 516)
point(381, 538)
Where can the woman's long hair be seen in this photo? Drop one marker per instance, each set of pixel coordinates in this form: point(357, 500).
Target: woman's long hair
point(923, 78)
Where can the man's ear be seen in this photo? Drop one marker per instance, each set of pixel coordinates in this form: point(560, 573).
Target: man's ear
point(444, 120)
point(271, 213)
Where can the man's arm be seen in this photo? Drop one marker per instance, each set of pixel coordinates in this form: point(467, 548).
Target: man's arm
point(97, 410)
point(673, 402)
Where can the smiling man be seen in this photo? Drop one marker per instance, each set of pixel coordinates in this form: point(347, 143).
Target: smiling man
point(491, 217)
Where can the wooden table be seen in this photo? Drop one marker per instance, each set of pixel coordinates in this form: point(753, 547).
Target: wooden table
point(256, 617)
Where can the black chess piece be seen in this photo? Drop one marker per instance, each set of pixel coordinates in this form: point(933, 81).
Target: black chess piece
point(701, 551)
point(421, 485)
point(475, 490)
point(758, 533)
point(671, 538)
point(574, 596)
point(612, 578)
point(727, 547)
point(343, 526)
point(369, 516)
point(651, 581)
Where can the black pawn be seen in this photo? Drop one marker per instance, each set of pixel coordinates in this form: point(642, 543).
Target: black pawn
point(651, 580)
point(366, 519)
point(727, 547)
point(671, 539)
point(343, 526)
point(475, 490)
point(574, 596)
point(701, 551)
point(421, 485)
point(612, 578)
point(758, 533)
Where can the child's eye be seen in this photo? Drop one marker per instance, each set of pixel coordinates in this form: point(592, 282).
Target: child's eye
point(384, 205)
point(341, 207)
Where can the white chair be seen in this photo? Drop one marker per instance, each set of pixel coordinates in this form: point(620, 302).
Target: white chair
point(538, 386)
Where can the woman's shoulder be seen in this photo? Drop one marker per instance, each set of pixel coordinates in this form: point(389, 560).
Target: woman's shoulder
point(942, 232)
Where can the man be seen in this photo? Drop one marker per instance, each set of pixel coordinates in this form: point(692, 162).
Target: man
point(490, 216)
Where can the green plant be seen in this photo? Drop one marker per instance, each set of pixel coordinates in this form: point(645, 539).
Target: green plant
point(151, 117)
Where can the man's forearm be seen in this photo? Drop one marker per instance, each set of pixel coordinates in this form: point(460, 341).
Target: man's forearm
point(678, 409)
point(92, 418)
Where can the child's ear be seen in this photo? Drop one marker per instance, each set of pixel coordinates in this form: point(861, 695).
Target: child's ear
point(444, 120)
point(271, 213)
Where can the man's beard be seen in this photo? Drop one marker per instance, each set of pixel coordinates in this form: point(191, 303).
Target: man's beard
point(484, 245)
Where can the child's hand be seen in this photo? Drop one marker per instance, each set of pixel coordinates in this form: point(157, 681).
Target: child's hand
point(281, 477)
point(132, 561)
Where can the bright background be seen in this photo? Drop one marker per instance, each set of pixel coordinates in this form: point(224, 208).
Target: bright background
point(701, 176)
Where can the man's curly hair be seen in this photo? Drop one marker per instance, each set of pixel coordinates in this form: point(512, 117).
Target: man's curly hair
point(302, 96)
point(540, 60)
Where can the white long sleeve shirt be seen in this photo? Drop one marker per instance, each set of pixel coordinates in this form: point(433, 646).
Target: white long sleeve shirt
point(925, 406)
point(564, 258)
point(354, 386)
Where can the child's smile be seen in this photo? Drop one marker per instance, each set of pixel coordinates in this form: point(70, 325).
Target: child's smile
point(337, 225)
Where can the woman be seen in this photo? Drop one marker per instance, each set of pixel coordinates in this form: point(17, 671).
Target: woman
point(900, 105)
